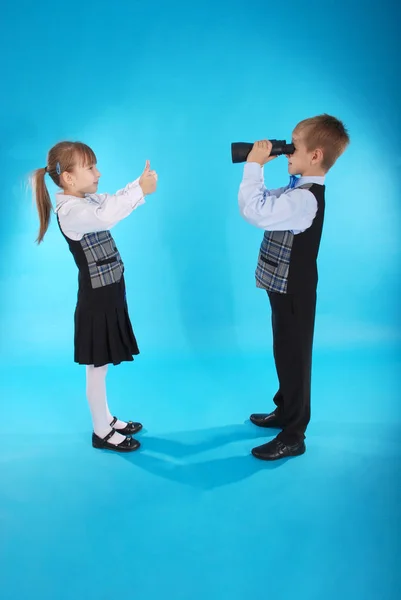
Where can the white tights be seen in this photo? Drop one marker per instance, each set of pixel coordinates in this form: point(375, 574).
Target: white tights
point(97, 399)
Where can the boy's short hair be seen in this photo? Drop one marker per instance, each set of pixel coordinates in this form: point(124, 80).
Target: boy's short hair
point(325, 132)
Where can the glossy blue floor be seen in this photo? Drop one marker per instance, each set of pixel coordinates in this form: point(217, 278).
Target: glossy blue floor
point(192, 514)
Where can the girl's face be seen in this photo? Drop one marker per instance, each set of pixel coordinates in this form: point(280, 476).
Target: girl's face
point(81, 180)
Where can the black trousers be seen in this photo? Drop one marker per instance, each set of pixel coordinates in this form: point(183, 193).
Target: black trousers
point(293, 323)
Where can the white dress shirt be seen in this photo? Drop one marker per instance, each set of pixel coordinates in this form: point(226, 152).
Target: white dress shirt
point(96, 212)
point(281, 209)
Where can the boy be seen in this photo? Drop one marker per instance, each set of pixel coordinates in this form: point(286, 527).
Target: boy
point(292, 218)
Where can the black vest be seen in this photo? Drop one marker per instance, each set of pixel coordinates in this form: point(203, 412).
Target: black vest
point(287, 263)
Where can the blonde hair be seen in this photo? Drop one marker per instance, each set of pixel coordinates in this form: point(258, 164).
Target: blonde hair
point(62, 157)
point(325, 132)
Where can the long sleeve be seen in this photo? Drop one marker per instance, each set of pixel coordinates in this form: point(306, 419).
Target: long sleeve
point(97, 212)
point(274, 210)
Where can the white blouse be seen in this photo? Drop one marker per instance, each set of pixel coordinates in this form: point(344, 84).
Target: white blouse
point(96, 212)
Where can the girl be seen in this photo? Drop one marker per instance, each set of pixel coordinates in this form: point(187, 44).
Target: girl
point(103, 332)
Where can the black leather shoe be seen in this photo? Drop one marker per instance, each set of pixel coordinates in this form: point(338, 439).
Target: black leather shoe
point(127, 445)
point(130, 428)
point(276, 449)
point(266, 420)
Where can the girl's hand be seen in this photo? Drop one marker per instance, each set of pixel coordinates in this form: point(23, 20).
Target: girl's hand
point(148, 180)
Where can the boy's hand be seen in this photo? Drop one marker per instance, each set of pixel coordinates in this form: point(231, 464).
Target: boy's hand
point(148, 180)
point(260, 152)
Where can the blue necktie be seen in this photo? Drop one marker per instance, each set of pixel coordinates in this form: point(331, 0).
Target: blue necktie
point(293, 181)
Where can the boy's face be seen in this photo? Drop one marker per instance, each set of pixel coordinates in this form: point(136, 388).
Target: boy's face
point(302, 161)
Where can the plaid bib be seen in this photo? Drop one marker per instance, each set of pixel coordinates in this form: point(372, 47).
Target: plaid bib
point(104, 261)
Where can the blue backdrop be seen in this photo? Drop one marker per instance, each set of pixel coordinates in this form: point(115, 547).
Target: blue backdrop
point(176, 83)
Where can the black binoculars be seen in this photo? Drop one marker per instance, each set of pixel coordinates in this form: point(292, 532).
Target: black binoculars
point(240, 150)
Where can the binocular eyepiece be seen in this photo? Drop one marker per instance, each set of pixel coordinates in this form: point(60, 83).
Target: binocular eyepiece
point(240, 150)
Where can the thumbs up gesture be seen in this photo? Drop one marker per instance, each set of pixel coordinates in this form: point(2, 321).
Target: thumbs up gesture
point(148, 180)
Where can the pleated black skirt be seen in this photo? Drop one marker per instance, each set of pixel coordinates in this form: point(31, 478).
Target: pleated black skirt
point(103, 331)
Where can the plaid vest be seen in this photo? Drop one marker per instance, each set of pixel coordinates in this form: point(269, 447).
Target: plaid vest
point(287, 262)
point(97, 258)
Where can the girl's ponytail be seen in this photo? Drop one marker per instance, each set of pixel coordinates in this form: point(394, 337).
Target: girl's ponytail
point(43, 201)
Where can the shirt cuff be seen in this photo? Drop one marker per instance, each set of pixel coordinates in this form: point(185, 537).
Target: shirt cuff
point(134, 183)
point(254, 171)
point(135, 192)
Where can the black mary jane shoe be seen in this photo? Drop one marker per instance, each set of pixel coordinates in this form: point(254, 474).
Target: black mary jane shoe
point(127, 445)
point(130, 429)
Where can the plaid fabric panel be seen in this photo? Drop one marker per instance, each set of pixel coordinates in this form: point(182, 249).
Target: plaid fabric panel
point(104, 261)
point(274, 261)
point(274, 258)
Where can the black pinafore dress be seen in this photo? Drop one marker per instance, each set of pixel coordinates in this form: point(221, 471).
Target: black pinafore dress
point(103, 332)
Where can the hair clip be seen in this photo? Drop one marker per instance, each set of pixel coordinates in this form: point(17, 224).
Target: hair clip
point(58, 169)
